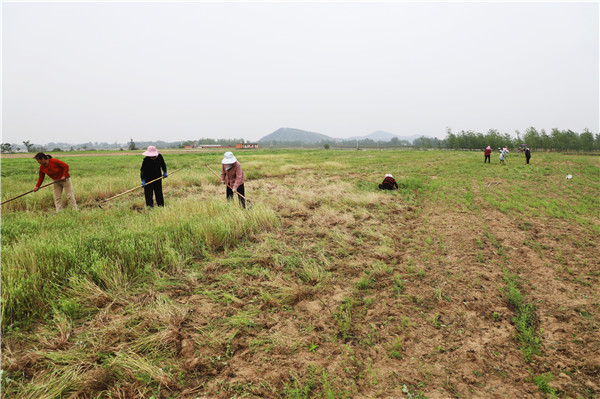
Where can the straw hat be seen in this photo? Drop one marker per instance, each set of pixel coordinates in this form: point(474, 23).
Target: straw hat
point(229, 158)
point(151, 152)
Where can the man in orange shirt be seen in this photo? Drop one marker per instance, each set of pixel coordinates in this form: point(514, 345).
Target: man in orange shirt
point(59, 172)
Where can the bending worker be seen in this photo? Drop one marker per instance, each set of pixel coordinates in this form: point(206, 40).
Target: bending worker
point(151, 169)
point(59, 172)
point(233, 175)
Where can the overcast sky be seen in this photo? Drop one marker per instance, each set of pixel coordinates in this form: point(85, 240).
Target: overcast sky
point(90, 71)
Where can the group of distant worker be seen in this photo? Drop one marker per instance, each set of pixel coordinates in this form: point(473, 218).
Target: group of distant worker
point(389, 183)
point(152, 172)
point(503, 151)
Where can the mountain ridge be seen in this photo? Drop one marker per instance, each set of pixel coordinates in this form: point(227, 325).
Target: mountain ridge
point(290, 135)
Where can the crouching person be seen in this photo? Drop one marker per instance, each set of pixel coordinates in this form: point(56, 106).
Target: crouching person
point(389, 183)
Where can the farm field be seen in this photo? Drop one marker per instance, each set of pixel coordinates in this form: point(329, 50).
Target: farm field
point(470, 281)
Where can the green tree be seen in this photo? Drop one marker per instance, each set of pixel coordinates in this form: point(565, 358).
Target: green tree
point(451, 141)
point(532, 138)
point(507, 141)
point(30, 147)
point(557, 140)
point(587, 140)
point(545, 140)
point(493, 138)
point(7, 147)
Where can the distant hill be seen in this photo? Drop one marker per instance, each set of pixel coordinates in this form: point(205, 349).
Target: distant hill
point(380, 135)
point(287, 134)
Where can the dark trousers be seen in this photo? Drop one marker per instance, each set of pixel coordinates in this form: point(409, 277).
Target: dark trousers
point(240, 190)
point(527, 159)
point(155, 188)
point(385, 187)
point(486, 159)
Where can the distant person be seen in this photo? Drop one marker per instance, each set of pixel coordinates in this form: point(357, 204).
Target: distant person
point(527, 155)
point(233, 176)
point(389, 183)
point(59, 172)
point(152, 165)
point(487, 154)
point(503, 153)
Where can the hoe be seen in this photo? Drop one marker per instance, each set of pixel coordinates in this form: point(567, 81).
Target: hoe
point(133, 189)
point(245, 199)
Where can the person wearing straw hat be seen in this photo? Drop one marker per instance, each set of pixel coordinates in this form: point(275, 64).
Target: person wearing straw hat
point(59, 172)
point(151, 168)
point(233, 176)
point(487, 153)
point(389, 183)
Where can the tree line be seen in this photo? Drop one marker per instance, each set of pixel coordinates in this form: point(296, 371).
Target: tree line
point(556, 140)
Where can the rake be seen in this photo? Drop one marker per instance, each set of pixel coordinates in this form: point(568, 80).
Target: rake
point(29, 192)
point(133, 189)
point(217, 176)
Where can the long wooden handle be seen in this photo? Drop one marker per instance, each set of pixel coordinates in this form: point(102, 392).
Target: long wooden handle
point(218, 177)
point(29, 192)
point(135, 188)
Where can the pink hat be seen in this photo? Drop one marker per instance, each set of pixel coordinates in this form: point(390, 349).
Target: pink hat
point(151, 152)
point(488, 148)
point(389, 175)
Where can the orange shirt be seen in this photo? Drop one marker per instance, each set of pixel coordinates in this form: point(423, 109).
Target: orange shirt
point(56, 170)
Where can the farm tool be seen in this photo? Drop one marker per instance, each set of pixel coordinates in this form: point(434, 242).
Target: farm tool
point(29, 192)
point(241, 196)
point(133, 189)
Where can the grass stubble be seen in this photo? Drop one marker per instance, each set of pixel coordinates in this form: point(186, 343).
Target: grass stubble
point(472, 280)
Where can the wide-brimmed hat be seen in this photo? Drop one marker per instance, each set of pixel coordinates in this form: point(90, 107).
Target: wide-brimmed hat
point(151, 151)
point(488, 148)
point(229, 158)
